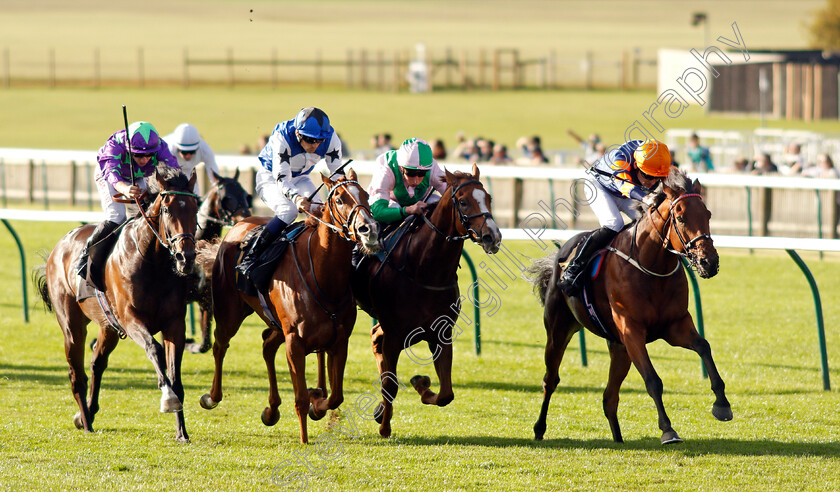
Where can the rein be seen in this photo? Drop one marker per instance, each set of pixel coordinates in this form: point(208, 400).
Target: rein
point(346, 231)
point(171, 240)
point(669, 222)
point(462, 218)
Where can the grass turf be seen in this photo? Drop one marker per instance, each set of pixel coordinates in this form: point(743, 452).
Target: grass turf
point(759, 321)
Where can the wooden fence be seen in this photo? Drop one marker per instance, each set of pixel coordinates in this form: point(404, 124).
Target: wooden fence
point(485, 69)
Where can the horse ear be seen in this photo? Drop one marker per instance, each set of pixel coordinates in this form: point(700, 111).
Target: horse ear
point(475, 171)
point(326, 180)
point(697, 187)
point(449, 177)
point(236, 174)
point(216, 175)
point(351, 174)
point(193, 178)
point(161, 182)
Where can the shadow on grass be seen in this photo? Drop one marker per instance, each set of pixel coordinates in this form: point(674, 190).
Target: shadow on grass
point(693, 447)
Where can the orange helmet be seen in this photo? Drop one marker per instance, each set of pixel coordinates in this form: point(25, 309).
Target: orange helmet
point(653, 158)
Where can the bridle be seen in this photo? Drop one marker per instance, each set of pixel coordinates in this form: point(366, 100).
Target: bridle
point(171, 240)
point(347, 231)
point(669, 222)
point(225, 216)
point(462, 217)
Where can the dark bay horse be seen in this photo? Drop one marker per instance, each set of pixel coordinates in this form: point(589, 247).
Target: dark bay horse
point(224, 205)
point(146, 278)
point(640, 295)
point(415, 295)
point(309, 297)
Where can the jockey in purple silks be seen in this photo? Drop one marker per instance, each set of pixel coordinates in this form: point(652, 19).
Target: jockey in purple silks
point(114, 175)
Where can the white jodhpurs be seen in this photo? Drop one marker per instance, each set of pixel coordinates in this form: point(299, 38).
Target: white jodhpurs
point(608, 207)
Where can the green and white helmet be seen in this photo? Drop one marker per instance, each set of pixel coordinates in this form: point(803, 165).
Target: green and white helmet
point(415, 153)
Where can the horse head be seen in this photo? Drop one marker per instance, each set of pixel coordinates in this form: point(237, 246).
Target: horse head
point(175, 210)
point(231, 202)
point(347, 208)
point(471, 204)
point(688, 220)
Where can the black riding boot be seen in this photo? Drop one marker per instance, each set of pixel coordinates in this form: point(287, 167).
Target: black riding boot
point(599, 239)
point(258, 245)
point(98, 246)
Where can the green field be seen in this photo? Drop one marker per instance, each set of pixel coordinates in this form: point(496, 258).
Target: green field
point(759, 320)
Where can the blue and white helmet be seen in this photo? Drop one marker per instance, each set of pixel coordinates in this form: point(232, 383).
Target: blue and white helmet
point(313, 123)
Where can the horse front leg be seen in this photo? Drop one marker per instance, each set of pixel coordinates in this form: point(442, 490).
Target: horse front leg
point(387, 355)
point(169, 401)
point(106, 342)
point(296, 356)
point(442, 356)
point(336, 361)
point(685, 335)
point(206, 322)
point(634, 340)
point(272, 338)
point(619, 366)
point(174, 341)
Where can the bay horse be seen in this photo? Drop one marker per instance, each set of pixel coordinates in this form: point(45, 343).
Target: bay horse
point(309, 298)
point(414, 294)
point(224, 205)
point(146, 278)
point(640, 295)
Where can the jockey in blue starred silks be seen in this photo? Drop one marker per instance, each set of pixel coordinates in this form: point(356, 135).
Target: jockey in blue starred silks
point(619, 178)
point(114, 175)
point(283, 183)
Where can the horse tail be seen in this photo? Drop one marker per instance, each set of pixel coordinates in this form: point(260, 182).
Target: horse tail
point(539, 274)
point(39, 278)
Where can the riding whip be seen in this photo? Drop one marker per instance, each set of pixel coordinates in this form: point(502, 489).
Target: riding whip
point(341, 167)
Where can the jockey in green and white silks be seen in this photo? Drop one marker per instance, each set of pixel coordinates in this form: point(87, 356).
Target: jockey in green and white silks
point(402, 179)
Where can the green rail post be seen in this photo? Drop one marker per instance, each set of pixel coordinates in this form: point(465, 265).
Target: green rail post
point(582, 337)
point(819, 218)
point(192, 318)
point(476, 303)
point(22, 269)
point(818, 308)
point(489, 185)
point(749, 214)
point(698, 307)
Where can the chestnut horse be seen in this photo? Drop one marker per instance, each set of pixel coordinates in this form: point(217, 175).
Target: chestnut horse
point(417, 286)
point(309, 297)
point(146, 278)
point(224, 205)
point(640, 295)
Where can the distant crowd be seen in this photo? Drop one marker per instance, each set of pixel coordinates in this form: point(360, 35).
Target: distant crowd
point(699, 159)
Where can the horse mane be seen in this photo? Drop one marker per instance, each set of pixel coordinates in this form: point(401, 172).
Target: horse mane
point(677, 180)
point(172, 176)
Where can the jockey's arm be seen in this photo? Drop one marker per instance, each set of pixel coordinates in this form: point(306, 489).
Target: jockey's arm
point(209, 159)
point(382, 212)
point(626, 185)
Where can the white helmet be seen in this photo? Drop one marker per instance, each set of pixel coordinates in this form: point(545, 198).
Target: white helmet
point(186, 138)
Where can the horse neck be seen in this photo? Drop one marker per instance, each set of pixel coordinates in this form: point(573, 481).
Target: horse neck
point(330, 256)
point(437, 257)
point(144, 242)
point(649, 245)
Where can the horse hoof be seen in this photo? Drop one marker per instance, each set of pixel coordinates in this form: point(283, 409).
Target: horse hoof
point(316, 394)
point(270, 416)
point(171, 405)
point(724, 414)
point(193, 347)
point(93, 345)
point(539, 431)
point(421, 383)
point(207, 402)
point(385, 431)
point(77, 421)
point(379, 414)
point(313, 415)
point(671, 437)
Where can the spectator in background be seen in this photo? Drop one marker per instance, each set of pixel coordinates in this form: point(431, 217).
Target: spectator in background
point(824, 168)
point(467, 150)
point(262, 141)
point(384, 143)
point(537, 158)
point(244, 149)
point(528, 144)
point(485, 149)
point(740, 166)
point(438, 150)
point(698, 156)
point(674, 159)
point(793, 162)
point(762, 164)
point(590, 146)
point(500, 155)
